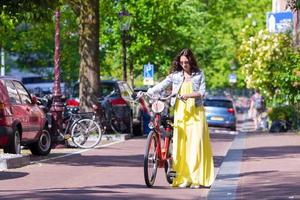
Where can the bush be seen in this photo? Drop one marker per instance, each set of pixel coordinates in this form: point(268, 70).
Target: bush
point(285, 113)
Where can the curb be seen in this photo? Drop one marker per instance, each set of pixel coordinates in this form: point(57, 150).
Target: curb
point(10, 161)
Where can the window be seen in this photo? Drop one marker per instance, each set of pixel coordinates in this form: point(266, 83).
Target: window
point(218, 103)
point(106, 89)
point(12, 93)
point(25, 97)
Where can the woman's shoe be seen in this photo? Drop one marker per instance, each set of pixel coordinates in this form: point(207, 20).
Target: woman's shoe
point(184, 185)
point(194, 186)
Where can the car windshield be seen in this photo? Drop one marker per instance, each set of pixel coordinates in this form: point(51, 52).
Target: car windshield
point(218, 103)
point(106, 89)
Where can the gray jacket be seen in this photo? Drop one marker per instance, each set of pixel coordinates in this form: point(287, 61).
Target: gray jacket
point(176, 79)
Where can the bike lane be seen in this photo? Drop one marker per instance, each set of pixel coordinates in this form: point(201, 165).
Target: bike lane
point(112, 172)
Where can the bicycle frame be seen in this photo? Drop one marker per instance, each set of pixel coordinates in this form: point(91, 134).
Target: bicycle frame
point(161, 151)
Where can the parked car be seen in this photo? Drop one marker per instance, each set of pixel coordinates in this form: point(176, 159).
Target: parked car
point(220, 112)
point(22, 121)
point(116, 97)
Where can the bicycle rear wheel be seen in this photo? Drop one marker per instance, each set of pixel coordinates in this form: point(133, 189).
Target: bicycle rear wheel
point(150, 159)
point(86, 133)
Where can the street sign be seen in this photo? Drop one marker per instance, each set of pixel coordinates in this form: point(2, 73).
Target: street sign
point(232, 78)
point(279, 22)
point(148, 74)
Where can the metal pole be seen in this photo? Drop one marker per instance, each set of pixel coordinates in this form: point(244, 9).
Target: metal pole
point(124, 56)
point(2, 62)
point(57, 105)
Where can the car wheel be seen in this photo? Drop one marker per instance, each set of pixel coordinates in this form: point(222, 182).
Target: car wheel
point(43, 145)
point(233, 128)
point(14, 145)
point(139, 128)
point(130, 126)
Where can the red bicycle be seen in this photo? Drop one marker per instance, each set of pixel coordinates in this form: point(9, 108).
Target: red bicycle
point(158, 152)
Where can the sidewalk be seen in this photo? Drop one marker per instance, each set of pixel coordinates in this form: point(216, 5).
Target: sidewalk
point(260, 166)
point(270, 167)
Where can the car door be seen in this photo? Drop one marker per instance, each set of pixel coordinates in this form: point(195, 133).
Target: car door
point(34, 113)
point(19, 112)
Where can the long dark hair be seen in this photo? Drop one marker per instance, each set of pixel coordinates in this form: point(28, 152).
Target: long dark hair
point(190, 56)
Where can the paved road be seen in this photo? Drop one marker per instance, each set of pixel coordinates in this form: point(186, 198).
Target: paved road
point(249, 165)
point(111, 172)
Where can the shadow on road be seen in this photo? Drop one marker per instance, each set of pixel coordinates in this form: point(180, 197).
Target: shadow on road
point(85, 193)
point(273, 152)
point(12, 175)
point(99, 160)
point(271, 186)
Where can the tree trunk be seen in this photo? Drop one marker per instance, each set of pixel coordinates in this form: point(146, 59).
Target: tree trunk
point(89, 74)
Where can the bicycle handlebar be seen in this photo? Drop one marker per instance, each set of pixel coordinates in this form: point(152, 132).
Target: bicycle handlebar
point(151, 96)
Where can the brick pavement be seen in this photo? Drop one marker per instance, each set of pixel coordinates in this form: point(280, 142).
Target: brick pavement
point(259, 165)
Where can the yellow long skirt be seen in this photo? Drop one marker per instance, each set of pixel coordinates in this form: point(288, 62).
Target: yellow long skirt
point(192, 154)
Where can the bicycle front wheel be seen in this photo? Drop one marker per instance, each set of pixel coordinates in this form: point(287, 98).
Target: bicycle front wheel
point(86, 133)
point(169, 161)
point(150, 159)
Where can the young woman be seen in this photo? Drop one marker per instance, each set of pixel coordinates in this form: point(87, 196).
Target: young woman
point(192, 154)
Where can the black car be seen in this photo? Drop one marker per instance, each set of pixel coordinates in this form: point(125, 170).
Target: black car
point(116, 97)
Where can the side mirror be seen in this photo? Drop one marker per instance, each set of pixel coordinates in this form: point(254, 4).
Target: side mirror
point(34, 99)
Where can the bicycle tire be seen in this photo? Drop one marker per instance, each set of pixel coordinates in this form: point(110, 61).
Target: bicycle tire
point(168, 162)
point(86, 133)
point(150, 158)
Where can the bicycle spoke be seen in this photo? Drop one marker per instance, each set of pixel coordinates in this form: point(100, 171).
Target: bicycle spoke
point(86, 133)
point(150, 160)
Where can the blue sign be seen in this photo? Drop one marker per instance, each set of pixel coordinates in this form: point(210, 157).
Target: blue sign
point(279, 22)
point(232, 78)
point(149, 71)
point(149, 74)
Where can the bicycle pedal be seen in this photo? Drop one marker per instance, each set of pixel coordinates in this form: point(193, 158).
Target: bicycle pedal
point(67, 136)
point(172, 174)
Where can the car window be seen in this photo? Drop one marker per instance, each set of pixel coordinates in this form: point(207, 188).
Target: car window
point(125, 90)
point(106, 89)
point(25, 97)
point(12, 93)
point(218, 103)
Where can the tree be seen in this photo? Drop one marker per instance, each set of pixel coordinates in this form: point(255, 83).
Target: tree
point(87, 12)
point(269, 62)
point(159, 29)
point(89, 80)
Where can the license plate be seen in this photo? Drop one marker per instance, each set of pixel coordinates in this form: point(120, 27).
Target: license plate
point(217, 118)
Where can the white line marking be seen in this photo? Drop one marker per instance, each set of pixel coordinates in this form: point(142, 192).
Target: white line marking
point(77, 152)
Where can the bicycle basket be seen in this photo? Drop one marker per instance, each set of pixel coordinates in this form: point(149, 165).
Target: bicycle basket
point(158, 106)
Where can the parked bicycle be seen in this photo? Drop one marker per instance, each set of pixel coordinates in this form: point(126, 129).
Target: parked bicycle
point(81, 127)
point(107, 118)
point(158, 152)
